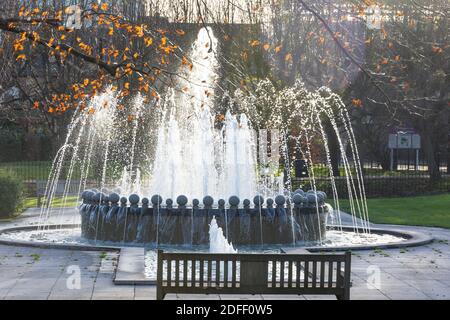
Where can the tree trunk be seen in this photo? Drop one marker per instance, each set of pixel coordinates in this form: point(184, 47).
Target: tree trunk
point(429, 148)
point(333, 145)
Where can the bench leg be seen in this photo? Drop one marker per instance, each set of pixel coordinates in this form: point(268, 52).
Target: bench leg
point(160, 295)
point(345, 295)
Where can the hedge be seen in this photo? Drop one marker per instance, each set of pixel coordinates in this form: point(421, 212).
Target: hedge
point(11, 195)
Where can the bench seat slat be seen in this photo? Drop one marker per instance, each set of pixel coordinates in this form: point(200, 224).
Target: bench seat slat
point(193, 271)
point(314, 274)
point(225, 273)
point(185, 272)
point(281, 273)
point(330, 274)
point(234, 274)
point(290, 273)
point(322, 274)
point(202, 276)
point(217, 272)
point(177, 272)
point(169, 272)
point(209, 274)
point(306, 283)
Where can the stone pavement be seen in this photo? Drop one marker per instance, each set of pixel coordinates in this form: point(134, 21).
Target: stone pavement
point(32, 273)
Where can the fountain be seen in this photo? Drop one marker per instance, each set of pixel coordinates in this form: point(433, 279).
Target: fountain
point(173, 182)
point(217, 241)
point(195, 160)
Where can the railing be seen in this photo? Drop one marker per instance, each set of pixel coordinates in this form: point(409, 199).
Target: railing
point(406, 180)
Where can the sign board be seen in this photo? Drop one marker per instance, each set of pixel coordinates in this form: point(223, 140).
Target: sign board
point(404, 140)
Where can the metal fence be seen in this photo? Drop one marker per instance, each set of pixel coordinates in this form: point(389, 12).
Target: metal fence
point(407, 179)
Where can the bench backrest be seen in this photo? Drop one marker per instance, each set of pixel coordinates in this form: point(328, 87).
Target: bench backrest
point(70, 187)
point(252, 273)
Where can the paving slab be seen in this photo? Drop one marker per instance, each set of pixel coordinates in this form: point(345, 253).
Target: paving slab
point(131, 267)
point(35, 273)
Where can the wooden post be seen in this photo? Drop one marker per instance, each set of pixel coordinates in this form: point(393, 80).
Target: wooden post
point(347, 275)
point(159, 277)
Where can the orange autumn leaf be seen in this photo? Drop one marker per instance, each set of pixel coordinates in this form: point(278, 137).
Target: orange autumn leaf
point(357, 102)
point(397, 58)
point(36, 105)
point(21, 57)
point(266, 46)
point(278, 49)
point(104, 6)
point(126, 85)
point(288, 57)
point(254, 43)
point(148, 41)
point(86, 82)
point(436, 49)
point(91, 110)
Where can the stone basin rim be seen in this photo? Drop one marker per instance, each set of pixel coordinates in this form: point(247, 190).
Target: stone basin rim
point(413, 239)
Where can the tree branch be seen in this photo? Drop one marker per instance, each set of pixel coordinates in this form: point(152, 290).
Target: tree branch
point(346, 53)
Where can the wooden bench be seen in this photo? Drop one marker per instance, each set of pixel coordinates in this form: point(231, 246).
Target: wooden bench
point(206, 273)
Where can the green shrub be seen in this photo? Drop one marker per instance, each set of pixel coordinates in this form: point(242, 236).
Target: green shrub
point(11, 195)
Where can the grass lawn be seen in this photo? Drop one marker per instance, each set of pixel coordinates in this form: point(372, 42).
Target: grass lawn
point(31, 202)
point(431, 211)
point(71, 201)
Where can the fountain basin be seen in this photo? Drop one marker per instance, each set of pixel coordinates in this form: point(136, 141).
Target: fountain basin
point(67, 236)
point(272, 222)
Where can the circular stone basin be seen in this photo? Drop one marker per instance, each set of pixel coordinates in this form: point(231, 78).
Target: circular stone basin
point(336, 238)
point(68, 236)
